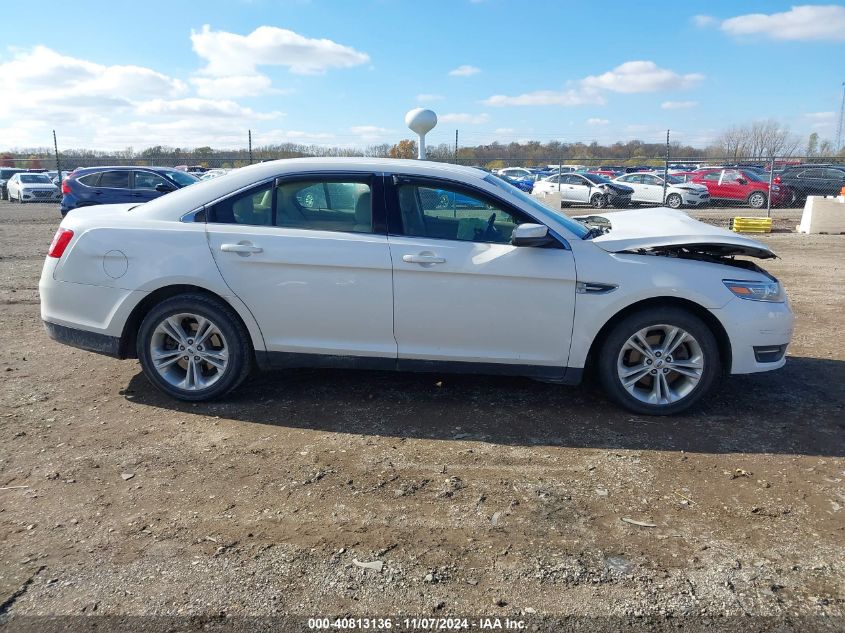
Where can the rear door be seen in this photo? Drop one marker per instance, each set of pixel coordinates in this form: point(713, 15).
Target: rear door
point(113, 187)
point(309, 256)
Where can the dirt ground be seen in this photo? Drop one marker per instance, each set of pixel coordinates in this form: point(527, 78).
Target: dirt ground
point(479, 495)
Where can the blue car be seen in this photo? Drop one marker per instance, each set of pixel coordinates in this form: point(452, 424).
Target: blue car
point(524, 184)
point(113, 185)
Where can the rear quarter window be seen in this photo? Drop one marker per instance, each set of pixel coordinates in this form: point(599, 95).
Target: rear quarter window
point(90, 180)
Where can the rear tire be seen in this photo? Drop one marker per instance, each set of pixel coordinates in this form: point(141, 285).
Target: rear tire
point(194, 347)
point(671, 355)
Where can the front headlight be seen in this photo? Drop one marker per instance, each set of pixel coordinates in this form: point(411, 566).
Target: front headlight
point(770, 291)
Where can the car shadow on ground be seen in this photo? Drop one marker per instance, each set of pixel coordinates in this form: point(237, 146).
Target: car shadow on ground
point(799, 409)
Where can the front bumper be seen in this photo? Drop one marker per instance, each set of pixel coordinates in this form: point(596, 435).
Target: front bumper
point(755, 330)
point(83, 339)
point(695, 199)
point(37, 196)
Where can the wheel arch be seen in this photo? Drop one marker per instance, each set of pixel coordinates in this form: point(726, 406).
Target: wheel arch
point(129, 334)
point(722, 338)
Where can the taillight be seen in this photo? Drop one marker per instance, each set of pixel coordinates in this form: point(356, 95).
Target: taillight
point(65, 187)
point(60, 241)
point(776, 180)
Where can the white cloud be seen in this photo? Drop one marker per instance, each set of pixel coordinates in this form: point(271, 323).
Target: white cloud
point(429, 97)
point(641, 76)
point(592, 121)
point(569, 97)
point(805, 22)
point(232, 87)
point(196, 107)
point(370, 132)
point(229, 54)
point(678, 105)
point(504, 130)
point(821, 121)
point(464, 71)
point(464, 117)
point(703, 21)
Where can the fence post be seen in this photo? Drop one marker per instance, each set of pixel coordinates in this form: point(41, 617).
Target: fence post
point(666, 169)
point(250, 147)
point(456, 147)
point(58, 166)
point(771, 178)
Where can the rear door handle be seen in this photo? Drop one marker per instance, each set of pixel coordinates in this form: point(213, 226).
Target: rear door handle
point(241, 249)
point(423, 258)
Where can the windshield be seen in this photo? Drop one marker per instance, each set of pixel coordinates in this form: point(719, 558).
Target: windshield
point(575, 227)
point(35, 178)
point(181, 178)
point(675, 180)
point(596, 178)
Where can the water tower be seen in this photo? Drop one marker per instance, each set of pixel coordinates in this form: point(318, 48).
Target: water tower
point(421, 121)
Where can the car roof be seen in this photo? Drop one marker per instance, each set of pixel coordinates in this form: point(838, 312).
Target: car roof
point(88, 170)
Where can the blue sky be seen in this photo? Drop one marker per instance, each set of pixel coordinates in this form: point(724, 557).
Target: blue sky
point(112, 75)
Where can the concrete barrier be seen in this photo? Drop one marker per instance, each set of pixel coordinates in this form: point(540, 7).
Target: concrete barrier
point(823, 215)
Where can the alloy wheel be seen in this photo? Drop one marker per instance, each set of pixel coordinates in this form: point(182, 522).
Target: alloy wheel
point(660, 364)
point(189, 351)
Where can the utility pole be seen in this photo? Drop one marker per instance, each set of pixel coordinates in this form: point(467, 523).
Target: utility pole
point(666, 170)
point(58, 166)
point(250, 147)
point(456, 147)
point(841, 119)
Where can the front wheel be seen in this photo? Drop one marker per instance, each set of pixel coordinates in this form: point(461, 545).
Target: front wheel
point(193, 347)
point(757, 200)
point(598, 201)
point(674, 201)
point(659, 361)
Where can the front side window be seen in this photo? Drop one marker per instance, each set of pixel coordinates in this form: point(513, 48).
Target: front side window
point(320, 205)
point(452, 214)
point(149, 180)
point(115, 179)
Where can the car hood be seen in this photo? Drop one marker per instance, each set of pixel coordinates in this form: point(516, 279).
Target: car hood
point(658, 228)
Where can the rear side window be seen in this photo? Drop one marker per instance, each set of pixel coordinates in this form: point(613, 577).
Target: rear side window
point(115, 179)
point(90, 180)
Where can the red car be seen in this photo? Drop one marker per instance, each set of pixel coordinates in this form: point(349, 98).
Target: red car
point(739, 185)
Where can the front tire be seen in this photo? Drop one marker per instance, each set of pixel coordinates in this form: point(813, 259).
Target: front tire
point(659, 361)
point(757, 200)
point(598, 201)
point(194, 347)
point(674, 201)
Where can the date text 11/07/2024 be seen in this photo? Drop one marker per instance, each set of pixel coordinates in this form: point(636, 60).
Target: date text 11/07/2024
point(418, 624)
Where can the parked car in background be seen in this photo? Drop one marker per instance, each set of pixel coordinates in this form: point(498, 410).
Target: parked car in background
point(5, 174)
point(205, 283)
point(812, 180)
point(742, 186)
point(32, 187)
point(590, 188)
point(518, 173)
point(112, 185)
point(54, 176)
point(524, 184)
point(214, 173)
point(648, 188)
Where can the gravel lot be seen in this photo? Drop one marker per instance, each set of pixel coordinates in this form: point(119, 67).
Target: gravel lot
point(480, 495)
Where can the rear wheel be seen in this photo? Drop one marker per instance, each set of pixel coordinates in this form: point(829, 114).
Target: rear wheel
point(674, 201)
point(194, 347)
point(659, 361)
point(757, 200)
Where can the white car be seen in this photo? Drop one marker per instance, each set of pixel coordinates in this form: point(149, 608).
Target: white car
point(581, 189)
point(35, 187)
point(648, 188)
point(212, 279)
point(517, 172)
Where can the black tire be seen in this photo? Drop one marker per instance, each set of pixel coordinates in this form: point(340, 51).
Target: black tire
point(240, 351)
point(598, 201)
point(757, 200)
point(613, 345)
point(674, 201)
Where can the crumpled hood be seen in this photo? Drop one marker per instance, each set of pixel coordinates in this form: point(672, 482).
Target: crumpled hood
point(663, 227)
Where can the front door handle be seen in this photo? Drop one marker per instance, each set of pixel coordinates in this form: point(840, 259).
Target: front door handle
point(423, 258)
point(242, 248)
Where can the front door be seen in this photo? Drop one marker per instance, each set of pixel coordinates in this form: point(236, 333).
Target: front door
point(462, 292)
point(309, 257)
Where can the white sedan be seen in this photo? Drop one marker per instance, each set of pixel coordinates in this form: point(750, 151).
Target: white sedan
point(35, 187)
point(648, 188)
point(376, 272)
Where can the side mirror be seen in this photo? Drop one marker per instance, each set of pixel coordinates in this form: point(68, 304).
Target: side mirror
point(742, 181)
point(162, 188)
point(532, 235)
